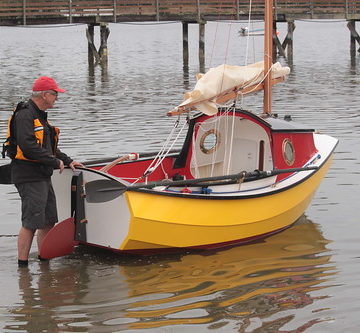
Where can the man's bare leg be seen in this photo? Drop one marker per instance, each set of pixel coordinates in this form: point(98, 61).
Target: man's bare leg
point(41, 233)
point(25, 239)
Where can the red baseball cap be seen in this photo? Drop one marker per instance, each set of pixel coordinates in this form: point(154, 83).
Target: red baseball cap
point(44, 83)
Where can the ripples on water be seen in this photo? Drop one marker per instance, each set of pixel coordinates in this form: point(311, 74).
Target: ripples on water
point(295, 281)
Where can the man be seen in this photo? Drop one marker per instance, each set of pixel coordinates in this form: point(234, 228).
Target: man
point(35, 157)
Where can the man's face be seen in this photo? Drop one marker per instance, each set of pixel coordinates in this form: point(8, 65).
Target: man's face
point(50, 97)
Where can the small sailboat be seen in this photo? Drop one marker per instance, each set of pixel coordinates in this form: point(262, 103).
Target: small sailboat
point(245, 31)
point(238, 177)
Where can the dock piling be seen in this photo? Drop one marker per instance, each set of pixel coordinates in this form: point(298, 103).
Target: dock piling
point(202, 46)
point(24, 12)
point(101, 55)
point(287, 44)
point(185, 33)
point(289, 40)
point(354, 37)
point(103, 50)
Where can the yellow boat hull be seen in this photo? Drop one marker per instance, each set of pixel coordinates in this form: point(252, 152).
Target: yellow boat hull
point(162, 221)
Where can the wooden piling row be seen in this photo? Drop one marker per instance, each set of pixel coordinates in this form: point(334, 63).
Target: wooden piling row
point(283, 49)
point(99, 13)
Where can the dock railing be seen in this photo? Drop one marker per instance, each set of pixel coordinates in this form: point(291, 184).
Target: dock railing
point(16, 12)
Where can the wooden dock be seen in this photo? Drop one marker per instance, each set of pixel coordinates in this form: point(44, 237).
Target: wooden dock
point(30, 12)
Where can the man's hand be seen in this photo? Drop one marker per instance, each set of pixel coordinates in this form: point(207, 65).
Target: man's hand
point(74, 164)
point(61, 166)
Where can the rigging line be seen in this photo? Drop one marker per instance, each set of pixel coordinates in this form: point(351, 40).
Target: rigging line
point(160, 151)
point(260, 82)
point(231, 140)
point(131, 178)
point(225, 59)
point(216, 31)
point(163, 170)
point(223, 115)
point(172, 145)
point(215, 123)
point(248, 35)
point(253, 44)
point(213, 47)
point(227, 44)
point(214, 155)
point(226, 140)
point(168, 139)
point(211, 122)
point(161, 157)
point(194, 160)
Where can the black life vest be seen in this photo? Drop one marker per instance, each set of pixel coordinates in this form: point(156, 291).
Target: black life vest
point(11, 149)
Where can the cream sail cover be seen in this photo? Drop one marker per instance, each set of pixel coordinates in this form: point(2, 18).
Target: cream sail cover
point(224, 77)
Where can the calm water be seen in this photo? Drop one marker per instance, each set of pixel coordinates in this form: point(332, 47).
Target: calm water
point(303, 279)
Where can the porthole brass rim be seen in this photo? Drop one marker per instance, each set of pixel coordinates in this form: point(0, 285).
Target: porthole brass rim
point(216, 145)
point(287, 142)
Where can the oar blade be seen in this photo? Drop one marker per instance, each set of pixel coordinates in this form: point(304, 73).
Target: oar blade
point(103, 190)
point(59, 241)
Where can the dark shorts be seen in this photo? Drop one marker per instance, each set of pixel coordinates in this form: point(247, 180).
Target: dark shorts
point(38, 204)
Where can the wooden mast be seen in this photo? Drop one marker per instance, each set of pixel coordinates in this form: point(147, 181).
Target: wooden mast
point(268, 18)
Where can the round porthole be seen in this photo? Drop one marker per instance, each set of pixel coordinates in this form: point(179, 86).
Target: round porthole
point(288, 152)
point(210, 141)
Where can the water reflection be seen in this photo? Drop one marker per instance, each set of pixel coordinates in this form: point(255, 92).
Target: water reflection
point(93, 71)
point(239, 284)
point(186, 78)
point(354, 64)
point(97, 291)
point(42, 293)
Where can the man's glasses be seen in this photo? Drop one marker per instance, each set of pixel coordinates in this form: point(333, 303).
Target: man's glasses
point(53, 92)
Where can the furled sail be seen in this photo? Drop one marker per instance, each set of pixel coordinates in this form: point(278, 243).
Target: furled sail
point(224, 78)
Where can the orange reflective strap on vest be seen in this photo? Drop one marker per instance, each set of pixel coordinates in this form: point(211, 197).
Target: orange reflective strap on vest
point(39, 135)
point(39, 131)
